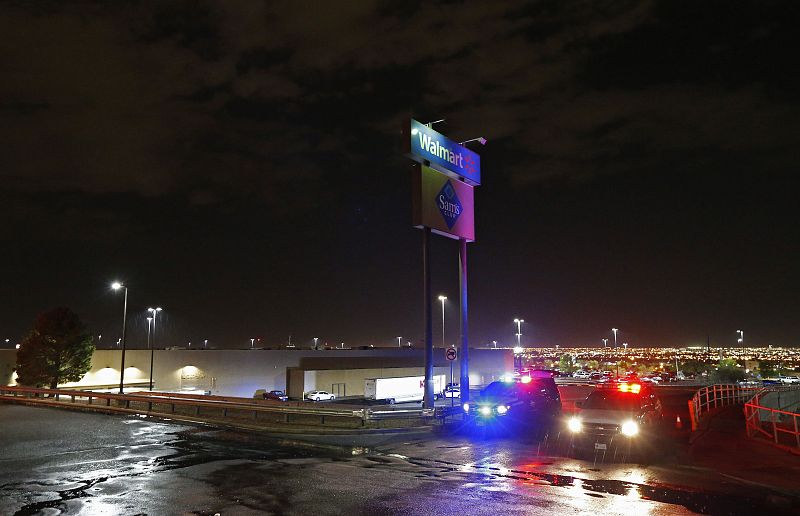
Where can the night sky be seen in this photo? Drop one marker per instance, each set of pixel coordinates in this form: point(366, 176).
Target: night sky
point(239, 164)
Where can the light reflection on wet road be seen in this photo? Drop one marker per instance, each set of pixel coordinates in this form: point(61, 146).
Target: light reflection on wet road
point(61, 462)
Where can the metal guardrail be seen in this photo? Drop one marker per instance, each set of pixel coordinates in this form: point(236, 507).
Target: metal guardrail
point(224, 409)
point(784, 423)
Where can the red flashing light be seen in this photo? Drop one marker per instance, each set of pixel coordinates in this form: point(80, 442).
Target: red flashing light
point(633, 388)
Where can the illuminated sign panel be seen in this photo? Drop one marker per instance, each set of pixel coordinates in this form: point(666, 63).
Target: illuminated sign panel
point(443, 204)
point(424, 144)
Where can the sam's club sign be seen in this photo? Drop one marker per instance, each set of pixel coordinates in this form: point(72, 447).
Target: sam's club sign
point(424, 144)
point(443, 204)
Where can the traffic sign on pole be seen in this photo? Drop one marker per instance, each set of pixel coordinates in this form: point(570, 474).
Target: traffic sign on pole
point(450, 354)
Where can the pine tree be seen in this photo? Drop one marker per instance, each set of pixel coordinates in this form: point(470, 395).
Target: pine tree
point(58, 349)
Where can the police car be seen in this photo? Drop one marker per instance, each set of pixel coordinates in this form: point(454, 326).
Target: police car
point(529, 401)
point(617, 417)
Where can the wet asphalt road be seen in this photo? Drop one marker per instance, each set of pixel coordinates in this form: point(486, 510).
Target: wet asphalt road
point(62, 462)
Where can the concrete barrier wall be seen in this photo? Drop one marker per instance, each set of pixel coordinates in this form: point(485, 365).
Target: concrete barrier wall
point(788, 400)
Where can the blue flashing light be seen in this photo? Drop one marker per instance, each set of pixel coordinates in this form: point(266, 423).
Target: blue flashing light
point(465, 406)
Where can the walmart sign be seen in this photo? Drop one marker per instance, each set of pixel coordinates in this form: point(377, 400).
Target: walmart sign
point(424, 144)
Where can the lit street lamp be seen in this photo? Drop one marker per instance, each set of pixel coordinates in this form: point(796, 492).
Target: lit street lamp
point(153, 311)
point(741, 337)
point(116, 286)
point(605, 342)
point(626, 346)
point(398, 342)
point(252, 343)
point(315, 342)
point(519, 331)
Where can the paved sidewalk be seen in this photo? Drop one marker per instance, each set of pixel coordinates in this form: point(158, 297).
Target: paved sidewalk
point(722, 445)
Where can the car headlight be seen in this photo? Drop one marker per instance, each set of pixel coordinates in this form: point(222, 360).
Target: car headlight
point(465, 406)
point(629, 428)
point(502, 409)
point(574, 425)
point(486, 411)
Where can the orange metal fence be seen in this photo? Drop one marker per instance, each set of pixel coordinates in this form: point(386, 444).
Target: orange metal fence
point(717, 396)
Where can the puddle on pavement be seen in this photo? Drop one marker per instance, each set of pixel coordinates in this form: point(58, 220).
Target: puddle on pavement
point(693, 500)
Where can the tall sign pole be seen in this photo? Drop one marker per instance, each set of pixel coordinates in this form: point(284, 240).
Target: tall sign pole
point(427, 401)
point(462, 271)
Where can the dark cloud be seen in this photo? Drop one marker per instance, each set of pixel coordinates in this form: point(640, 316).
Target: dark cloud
point(153, 98)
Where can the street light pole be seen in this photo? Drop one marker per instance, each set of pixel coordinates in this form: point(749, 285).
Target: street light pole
point(741, 337)
point(116, 286)
point(443, 299)
point(615, 330)
point(625, 344)
point(153, 311)
point(149, 324)
point(398, 342)
point(519, 331)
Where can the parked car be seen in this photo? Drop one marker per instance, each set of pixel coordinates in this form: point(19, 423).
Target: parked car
point(320, 396)
point(276, 395)
point(452, 392)
point(790, 379)
point(583, 375)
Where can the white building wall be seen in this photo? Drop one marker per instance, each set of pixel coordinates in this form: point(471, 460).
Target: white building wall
point(243, 372)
